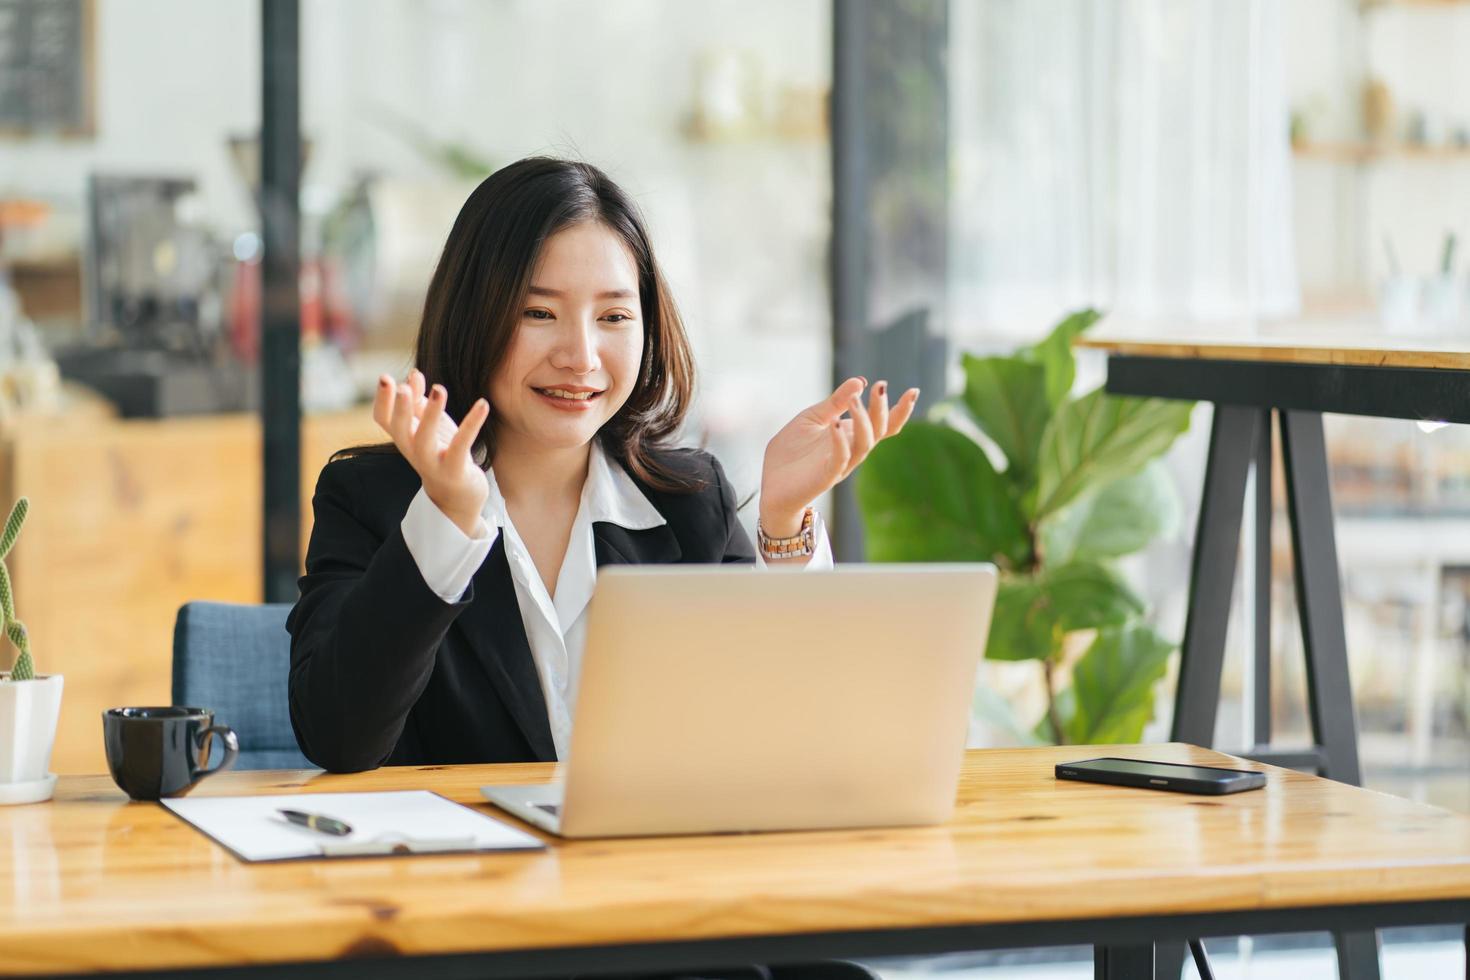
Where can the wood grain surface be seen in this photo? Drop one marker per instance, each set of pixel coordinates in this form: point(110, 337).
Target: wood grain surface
point(1305, 343)
point(90, 881)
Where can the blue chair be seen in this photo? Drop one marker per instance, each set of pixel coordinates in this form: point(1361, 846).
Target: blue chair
point(234, 659)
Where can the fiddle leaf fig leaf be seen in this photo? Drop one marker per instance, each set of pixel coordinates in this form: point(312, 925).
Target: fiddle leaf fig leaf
point(1055, 356)
point(1116, 520)
point(1112, 686)
point(1033, 613)
point(1007, 397)
point(1099, 438)
point(930, 494)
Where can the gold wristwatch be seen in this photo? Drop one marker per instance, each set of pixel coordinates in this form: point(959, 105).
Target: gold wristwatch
point(799, 545)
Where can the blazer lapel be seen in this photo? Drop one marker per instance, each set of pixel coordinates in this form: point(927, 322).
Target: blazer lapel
point(492, 624)
point(616, 545)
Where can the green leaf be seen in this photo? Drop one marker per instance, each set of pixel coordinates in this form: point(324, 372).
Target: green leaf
point(1113, 685)
point(1116, 520)
point(1008, 399)
point(1066, 709)
point(1034, 613)
point(930, 494)
point(1055, 355)
point(1099, 438)
point(1020, 628)
point(1087, 596)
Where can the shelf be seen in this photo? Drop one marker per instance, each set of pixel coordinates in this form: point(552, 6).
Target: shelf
point(1368, 5)
point(1370, 152)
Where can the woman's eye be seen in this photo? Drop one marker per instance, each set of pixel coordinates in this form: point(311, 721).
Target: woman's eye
point(617, 317)
point(538, 314)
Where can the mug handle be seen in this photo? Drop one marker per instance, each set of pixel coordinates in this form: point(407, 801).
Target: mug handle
point(232, 749)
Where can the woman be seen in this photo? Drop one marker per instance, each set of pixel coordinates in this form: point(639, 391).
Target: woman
point(441, 616)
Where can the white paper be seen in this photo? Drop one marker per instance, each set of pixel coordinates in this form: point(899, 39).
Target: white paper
point(252, 827)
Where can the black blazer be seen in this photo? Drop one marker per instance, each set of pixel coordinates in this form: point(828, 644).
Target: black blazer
point(384, 672)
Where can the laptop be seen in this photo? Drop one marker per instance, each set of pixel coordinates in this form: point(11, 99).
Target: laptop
point(720, 699)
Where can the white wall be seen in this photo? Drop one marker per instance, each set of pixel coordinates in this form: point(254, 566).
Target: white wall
point(174, 79)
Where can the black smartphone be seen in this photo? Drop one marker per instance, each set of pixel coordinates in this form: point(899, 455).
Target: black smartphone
point(1162, 775)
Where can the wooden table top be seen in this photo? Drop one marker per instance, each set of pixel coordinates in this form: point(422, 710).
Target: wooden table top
point(89, 881)
point(1302, 342)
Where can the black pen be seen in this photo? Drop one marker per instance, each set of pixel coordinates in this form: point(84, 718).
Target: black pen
point(316, 821)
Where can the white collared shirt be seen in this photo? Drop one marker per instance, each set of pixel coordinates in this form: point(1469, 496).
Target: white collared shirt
point(555, 629)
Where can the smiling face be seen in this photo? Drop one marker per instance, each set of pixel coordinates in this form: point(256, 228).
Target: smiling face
point(574, 358)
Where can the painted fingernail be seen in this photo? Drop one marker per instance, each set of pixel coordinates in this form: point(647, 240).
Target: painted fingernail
point(880, 388)
point(383, 382)
point(439, 391)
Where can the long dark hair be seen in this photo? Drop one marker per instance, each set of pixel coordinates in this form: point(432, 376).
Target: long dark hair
point(473, 305)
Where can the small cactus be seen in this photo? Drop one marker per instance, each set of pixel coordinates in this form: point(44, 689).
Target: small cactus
point(24, 668)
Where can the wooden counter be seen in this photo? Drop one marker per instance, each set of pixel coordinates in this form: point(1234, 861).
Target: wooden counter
point(129, 520)
point(96, 883)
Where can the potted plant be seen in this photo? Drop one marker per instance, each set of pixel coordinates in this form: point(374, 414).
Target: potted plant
point(1080, 487)
point(29, 705)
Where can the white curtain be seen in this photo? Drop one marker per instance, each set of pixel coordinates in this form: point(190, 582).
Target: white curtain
point(1131, 154)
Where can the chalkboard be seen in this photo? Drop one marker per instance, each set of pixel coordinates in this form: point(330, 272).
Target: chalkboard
point(46, 67)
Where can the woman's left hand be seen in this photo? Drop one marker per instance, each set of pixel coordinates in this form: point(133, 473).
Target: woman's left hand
point(818, 449)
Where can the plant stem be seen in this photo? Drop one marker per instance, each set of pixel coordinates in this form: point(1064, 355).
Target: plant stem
point(1051, 702)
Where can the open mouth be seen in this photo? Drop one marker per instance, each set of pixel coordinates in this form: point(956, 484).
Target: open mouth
point(567, 395)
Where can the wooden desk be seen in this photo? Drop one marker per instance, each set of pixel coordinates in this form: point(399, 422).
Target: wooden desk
point(89, 882)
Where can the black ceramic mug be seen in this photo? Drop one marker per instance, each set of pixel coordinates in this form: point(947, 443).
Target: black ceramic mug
point(157, 752)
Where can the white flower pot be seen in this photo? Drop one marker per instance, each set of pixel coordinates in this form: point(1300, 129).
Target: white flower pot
point(28, 714)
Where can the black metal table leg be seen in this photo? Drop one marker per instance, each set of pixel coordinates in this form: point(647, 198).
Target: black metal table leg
point(1233, 436)
point(1319, 594)
point(1123, 962)
point(1357, 955)
point(1324, 638)
point(1262, 696)
point(1169, 960)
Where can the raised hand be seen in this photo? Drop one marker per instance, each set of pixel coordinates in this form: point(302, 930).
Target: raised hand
point(819, 448)
point(437, 448)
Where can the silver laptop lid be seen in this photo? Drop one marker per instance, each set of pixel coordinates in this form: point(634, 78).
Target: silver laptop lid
point(719, 698)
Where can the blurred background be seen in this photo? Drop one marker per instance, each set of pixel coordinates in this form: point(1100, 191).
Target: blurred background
point(832, 187)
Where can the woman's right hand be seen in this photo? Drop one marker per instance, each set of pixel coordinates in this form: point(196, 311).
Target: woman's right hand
point(437, 449)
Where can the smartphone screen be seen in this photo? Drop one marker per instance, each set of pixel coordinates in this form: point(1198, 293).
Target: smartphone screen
point(1162, 770)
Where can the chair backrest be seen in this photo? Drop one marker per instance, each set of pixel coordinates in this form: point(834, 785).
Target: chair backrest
point(234, 660)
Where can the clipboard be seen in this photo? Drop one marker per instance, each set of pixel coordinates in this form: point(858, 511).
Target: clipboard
point(383, 824)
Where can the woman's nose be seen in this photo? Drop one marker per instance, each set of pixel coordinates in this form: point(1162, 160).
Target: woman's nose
point(576, 349)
